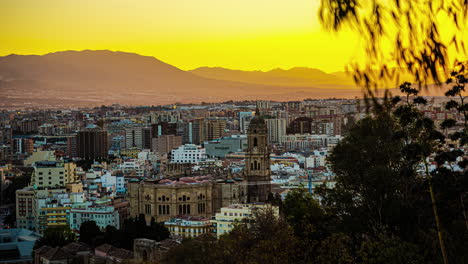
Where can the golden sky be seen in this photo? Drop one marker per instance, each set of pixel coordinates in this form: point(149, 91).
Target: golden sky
point(237, 34)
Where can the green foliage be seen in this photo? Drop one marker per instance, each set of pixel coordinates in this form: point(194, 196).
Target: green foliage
point(132, 228)
point(267, 239)
point(9, 194)
point(89, 233)
point(56, 237)
point(389, 250)
point(386, 206)
point(420, 35)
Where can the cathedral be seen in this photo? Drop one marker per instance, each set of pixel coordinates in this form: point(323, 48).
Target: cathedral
point(257, 161)
point(205, 195)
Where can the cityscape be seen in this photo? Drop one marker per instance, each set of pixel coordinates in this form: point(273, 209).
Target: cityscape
point(218, 153)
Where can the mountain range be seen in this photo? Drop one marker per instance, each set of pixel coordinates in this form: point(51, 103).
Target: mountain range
point(80, 78)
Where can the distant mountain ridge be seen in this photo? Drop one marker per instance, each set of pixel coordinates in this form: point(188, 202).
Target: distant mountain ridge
point(297, 76)
point(89, 77)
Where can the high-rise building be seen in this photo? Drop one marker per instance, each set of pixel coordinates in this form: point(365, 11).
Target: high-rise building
point(276, 129)
point(92, 143)
point(23, 145)
point(146, 137)
point(134, 137)
point(244, 120)
point(198, 131)
point(72, 146)
point(214, 129)
point(163, 128)
point(165, 143)
point(257, 161)
point(263, 107)
point(300, 125)
point(6, 134)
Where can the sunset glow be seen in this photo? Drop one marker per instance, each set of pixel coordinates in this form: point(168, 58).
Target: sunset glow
point(243, 34)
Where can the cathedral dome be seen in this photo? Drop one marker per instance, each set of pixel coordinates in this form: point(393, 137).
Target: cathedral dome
point(257, 125)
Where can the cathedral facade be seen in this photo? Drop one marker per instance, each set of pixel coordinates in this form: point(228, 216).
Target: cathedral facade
point(188, 196)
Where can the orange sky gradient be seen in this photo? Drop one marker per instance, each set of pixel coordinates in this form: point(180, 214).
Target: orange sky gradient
point(241, 34)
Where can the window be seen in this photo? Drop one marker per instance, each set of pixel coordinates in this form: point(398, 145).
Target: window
point(255, 143)
point(147, 208)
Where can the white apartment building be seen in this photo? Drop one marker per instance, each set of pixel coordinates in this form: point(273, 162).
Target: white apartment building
point(102, 215)
point(276, 129)
point(188, 153)
point(113, 183)
point(135, 168)
point(226, 219)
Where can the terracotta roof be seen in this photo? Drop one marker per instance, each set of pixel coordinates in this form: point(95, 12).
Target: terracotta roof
point(75, 247)
point(104, 248)
point(120, 253)
point(57, 254)
point(112, 251)
point(168, 244)
point(42, 250)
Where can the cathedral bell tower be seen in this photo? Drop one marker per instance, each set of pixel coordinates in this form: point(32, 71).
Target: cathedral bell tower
point(257, 161)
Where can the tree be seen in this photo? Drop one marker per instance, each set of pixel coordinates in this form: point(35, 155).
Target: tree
point(89, 233)
point(266, 238)
point(9, 194)
point(421, 35)
point(55, 237)
point(389, 250)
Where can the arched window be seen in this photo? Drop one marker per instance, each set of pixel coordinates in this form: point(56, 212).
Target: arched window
point(255, 142)
point(258, 166)
point(255, 164)
point(180, 209)
point(188, 208)
point(184, 198)
point(185, 209)
point(163, 209)
point(159, 209)
point(252, 166)
point(167, 209)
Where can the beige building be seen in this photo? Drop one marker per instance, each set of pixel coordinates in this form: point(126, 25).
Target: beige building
point(49, 174)
point(228, 217)
point(189, 227)
point(40, 156)
point(130, 152)
point(188, 196)
point(24, 208)
point(70, 172)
